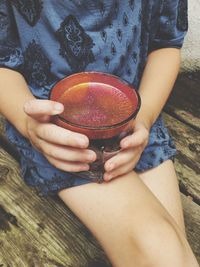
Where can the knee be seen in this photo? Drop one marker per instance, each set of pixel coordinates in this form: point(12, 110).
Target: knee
point(159, 244)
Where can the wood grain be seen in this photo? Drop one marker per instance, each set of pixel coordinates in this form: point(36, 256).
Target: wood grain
point(187, 162)
point(37, 231)
point(192, 221)
point(183, 103)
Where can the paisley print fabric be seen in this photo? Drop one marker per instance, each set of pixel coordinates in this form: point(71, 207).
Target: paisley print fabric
point(10, 51)
point(48, 40)
point(75, 44)
point(29, 9)
point(37, 68)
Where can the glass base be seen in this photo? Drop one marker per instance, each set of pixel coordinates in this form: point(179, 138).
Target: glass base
point(104, 149)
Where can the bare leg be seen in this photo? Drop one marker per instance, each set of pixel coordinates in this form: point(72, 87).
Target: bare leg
point(163, 183)
point(132, 226)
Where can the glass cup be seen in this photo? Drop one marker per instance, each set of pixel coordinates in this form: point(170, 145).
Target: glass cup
point(102, 107)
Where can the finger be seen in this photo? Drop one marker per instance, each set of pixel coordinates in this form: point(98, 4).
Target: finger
point(67, 153)
point(68, 166)
point(38, 107)
point(139, 137)
point(119, 171)
point(55, 134)
point(123, 157)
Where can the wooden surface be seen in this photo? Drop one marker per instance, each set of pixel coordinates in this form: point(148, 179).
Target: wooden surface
point(188, 157)
point(38, 231)
point(42, 232)
point(184, 101)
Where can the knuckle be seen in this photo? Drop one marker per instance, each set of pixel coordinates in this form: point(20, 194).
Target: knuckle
point(114, 174)
point(57, 164)
point(51, 152)
point(71, 168)
point(145, 136)
point(68, 133)
point(146, 133)
point(79, 168)
point(52, 161)
point(44, 131)
point(35, 145)
point(40, 130)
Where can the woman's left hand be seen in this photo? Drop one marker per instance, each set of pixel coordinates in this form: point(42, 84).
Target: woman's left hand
point(132, 147)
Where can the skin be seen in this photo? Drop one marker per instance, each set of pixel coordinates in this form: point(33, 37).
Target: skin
point(68, 151)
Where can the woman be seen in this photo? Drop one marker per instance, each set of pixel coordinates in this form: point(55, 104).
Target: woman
point(131, 213)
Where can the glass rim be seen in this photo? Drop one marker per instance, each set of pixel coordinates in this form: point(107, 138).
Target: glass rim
point(103, 127)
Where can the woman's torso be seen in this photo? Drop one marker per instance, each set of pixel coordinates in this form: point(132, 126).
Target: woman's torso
point(59, 38)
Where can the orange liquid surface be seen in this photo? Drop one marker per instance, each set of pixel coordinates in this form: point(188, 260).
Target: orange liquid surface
point(95, 105)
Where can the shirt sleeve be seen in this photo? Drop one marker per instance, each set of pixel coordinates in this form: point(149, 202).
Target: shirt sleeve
point(172, 25)
point(10, 51)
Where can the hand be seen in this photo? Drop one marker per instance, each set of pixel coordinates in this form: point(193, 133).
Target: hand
point(64, 149)
point(132, 147)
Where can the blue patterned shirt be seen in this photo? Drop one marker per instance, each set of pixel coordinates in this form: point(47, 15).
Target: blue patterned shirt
point(47, 40)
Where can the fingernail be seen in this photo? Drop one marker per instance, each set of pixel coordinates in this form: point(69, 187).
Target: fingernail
point(110, 167)
point(108, 177)
point(125, 144)
point(82, 142)
point(91, 156)
point(86, 167)
point(58, 107)
point(26, 105)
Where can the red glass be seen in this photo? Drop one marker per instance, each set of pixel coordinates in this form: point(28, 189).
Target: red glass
point(102, 107)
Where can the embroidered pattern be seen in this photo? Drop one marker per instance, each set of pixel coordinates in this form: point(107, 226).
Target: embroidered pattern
point(46, 182)
point(103, 35)
point(116, 8)
point(30, 10)
point(10, 56)
point(37, 67)
point(4, 21)
point(182, 18)
point(131, 4)
point(75, 44)
point(10, 53)
point(125, 19)
point(102, 8)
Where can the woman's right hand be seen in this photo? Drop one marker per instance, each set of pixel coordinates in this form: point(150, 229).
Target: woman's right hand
point(64, 149)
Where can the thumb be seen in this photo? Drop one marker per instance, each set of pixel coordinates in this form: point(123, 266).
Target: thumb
point(139, 137)
point(41, 110)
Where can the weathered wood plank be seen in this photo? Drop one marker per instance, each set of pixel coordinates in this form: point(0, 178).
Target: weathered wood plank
point(192, 221)
point(187, 162)
point(185, 98)
point(40, 232)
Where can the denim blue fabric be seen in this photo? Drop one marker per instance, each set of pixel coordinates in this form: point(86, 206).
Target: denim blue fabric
point(48, 40)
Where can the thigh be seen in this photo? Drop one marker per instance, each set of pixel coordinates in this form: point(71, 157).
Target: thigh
point(110, 209)
point(163, 183)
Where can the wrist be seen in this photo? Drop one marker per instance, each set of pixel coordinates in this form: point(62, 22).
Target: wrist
point(23, 120)
point(24, 127)
point(145, 120)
